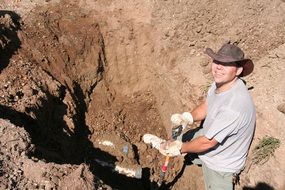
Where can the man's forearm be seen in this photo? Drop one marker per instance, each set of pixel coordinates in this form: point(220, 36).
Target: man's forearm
point(200, 112)
point(199, 144)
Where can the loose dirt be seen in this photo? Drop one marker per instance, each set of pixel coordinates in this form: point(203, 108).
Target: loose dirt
point(82, 81)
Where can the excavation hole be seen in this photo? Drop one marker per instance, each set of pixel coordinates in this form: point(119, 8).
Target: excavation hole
point(82, 110)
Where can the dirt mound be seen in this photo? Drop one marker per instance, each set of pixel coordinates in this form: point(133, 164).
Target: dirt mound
point(18, 170)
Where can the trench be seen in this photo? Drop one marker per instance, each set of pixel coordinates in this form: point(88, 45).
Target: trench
point(70, 125)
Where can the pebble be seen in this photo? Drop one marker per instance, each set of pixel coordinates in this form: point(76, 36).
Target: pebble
point(27, 90)
point(207, 70)
point(44, 174)
point(42, 187)
point(142, 147)
point(35, 159)
point(23, 153)
point(14, 178)
point(29, 186)
point(54, 179)
point(49, 185)
point(149, 159)
point(281, 108)
point(20, 172)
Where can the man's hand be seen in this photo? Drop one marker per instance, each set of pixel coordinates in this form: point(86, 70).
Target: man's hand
point(183, 119)
point(171, 148)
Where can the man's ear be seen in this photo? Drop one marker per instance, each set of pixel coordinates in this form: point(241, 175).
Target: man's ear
point(239, 71)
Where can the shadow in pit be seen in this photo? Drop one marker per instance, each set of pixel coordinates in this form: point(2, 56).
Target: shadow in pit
point(55, 142)
point(259, 186)
point(1, 166)
point(8, 36)
point(106, 174)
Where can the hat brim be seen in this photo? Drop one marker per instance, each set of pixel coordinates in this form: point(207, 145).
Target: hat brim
point(247, 64)
point(248, 67)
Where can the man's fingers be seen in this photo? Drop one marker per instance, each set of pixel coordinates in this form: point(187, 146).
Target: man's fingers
point(163, 145)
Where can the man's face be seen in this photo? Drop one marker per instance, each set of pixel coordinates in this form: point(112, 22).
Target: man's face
point(224, 73)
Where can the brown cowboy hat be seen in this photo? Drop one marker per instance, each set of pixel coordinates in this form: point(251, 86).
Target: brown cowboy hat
point(231, 53)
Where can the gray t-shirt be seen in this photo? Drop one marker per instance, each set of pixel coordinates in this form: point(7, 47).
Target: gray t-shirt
point(231, 121)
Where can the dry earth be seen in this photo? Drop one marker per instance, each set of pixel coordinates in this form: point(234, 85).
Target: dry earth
point(82, 81)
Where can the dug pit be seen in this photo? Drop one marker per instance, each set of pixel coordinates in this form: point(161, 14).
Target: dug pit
point(85, 117)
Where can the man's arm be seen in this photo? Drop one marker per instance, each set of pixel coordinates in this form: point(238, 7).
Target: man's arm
point(200, 112)
point(199, 144)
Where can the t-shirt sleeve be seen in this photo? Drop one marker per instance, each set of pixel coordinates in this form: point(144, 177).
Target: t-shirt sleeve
point(223, 126)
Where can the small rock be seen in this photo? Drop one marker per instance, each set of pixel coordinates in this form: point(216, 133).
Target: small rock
point(19, 94)
point(36, 185)
point(142, 147)
point(11, 98)
point(54, 179)
point(44, 174)
point(42, 187)
point(23, 153)
point(29, 186)
point(204, 63)
point(281, 108)
point(27, 90)
point(149, 159)
point(35, 159)
point(49, 185)
point(14, 178)
point(192, 52)
point(207, 70)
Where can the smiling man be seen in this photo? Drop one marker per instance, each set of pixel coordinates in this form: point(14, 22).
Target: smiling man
point(229, 115)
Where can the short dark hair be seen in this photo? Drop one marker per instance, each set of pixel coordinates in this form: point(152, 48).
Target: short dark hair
point(240, 63)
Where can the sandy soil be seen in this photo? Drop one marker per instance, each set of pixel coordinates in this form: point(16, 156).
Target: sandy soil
point(82, 81)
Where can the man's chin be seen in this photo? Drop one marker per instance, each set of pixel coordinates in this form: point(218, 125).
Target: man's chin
point(218, 80)
point(219, 83)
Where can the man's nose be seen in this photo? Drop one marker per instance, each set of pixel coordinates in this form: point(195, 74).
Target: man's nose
point(219, 66)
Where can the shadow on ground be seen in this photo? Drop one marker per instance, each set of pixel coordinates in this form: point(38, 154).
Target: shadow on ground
point(54, 143)
point(259, 186)
point(10, 42)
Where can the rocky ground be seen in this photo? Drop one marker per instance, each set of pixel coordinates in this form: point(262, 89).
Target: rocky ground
point(82, 81)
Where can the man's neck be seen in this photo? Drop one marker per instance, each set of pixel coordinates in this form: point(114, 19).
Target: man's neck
point(225, 86)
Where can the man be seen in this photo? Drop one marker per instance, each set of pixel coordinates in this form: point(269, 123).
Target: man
point(223, 142)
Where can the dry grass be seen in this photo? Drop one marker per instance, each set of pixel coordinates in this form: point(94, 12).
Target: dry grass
point(265, 149)
point(204, 88)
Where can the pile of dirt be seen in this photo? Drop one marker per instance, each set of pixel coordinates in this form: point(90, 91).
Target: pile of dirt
point(83, 81)
point(32, 100)
point(21, 170)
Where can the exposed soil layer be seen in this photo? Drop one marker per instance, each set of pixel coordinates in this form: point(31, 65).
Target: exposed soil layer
point(82, 81)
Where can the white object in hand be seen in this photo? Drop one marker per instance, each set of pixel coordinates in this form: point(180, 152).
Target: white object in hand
point(187, 116)
point(183, 119)
point(153, 140)
point(171, 148)
point(167, 148)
